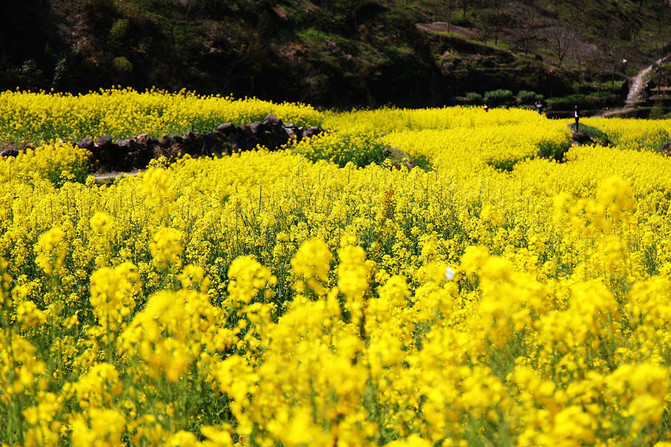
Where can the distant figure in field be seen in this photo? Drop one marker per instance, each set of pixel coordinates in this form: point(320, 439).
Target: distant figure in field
point(576, 115)
point(539, 107)
point(486, 107)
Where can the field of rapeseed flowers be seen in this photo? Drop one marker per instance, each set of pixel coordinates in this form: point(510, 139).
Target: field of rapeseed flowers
point(498, 298)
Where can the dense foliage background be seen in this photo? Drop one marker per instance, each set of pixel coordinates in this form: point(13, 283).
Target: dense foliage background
point(337, 53)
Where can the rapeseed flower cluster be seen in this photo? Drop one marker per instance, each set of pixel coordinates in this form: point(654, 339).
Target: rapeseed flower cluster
point(34, 117)
point(265, 299)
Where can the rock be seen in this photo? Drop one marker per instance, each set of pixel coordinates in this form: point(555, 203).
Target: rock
point(226, 128)
point(291, 129)
point(211, 144)
point(312, 131)
point(121, 159)
point(255, 127)
point(9, 152)
point(193, 143)
point(115, 156)
point(104, 140)
point(664, 150)
point(146, 140)
point(291, 132)
point(225, 144)
point(165, 141)
point(140, 151)
point(101, 152)
point(581, 137)
point(136, 153)
point(272, 120)
point(170, 147)
point(276, 138)
point(248, 136)
point(236, 140)
point(86, 143)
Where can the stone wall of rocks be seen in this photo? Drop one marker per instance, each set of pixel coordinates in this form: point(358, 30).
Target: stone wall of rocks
point(136, 153)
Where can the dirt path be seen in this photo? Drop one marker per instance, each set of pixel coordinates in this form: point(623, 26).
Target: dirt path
point(110, 177)
point(636, 90)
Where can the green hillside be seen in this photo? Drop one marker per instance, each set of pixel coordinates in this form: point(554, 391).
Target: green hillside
point(337, 53)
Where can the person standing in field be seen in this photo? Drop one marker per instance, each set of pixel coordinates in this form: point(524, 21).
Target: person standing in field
point(539, 107)
point(576, 115)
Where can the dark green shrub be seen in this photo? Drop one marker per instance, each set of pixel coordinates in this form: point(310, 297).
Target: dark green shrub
point(528, 97)
point(423, 161)
point(119, 31)
point(505, 164)
point(474, 98)
point(657, 110)
point(499, 97)
point(122, 65)
point(553, 150)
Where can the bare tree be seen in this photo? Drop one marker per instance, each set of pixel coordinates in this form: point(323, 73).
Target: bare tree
point(529, 32)
point(445, 8)
point(466, 4)
point(562, 40)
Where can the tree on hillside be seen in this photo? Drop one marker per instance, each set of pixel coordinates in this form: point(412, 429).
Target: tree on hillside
point(562, 40)
point(528, 33)
point(466, 5)
point(496, 18)
point(662, 13)
point(444, 10)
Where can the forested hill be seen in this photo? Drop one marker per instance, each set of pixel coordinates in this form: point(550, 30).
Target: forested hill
point(340, 53)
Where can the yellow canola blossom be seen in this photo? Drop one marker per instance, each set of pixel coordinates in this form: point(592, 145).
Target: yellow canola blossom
point(494, 298)
point(28, 117)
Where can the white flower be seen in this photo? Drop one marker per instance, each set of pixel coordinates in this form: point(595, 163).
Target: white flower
point(449, 274)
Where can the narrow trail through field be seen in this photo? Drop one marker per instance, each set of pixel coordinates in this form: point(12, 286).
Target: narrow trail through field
point(110, 177)
point(636, 90)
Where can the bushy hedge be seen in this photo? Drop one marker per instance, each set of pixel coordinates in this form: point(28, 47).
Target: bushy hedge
point(499, 97)
point(474, 98)
point(528, 96)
